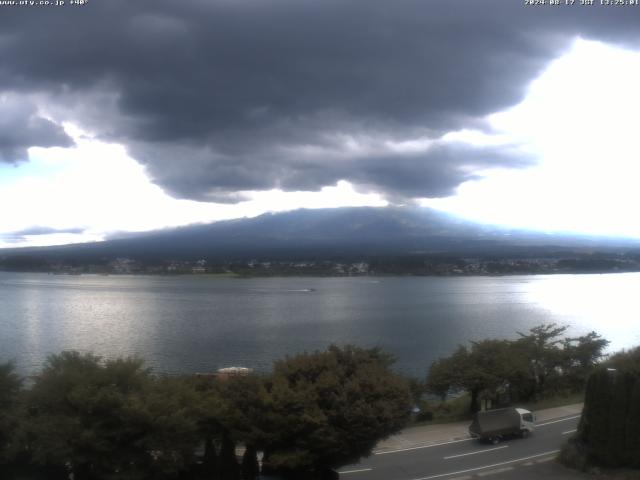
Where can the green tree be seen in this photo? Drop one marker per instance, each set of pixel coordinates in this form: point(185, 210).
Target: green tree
point(581, 355)
point(541, 347)
point(80, 417)
point(538, 362)
point(242, 406)
point(486, 369)
point(417, 389)
point(108, 419)
point(209, 414)
point(167, 412)
point(445, 374)
point(328, 409)
point(626, 360)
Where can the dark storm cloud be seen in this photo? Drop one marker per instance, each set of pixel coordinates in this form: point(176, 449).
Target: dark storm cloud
point(21, 127)
point(439, 170)
point(221, 96)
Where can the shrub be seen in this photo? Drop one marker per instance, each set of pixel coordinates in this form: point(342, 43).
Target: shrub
point(424, 416)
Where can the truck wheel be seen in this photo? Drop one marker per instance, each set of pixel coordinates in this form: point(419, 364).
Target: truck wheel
point(524, 433)
point(494, 440)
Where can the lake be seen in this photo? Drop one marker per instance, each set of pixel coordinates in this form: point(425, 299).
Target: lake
point(201, 323)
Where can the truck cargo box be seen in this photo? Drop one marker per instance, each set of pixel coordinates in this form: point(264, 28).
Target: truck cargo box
point(496, 424)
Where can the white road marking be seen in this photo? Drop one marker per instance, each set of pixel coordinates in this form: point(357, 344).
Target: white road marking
point(488, 466)
point(493, 472)
point(423, 446)
point(475, 453)
point(355, 471)
point(569, 431)
point(556, 421)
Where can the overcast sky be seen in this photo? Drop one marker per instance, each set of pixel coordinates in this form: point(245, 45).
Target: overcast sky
point(124, 115)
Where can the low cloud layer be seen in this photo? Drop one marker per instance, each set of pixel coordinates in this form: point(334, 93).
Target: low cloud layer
point(220, 97)
point(22, 235)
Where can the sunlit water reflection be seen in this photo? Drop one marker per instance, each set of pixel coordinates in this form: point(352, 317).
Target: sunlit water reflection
point(191, 323)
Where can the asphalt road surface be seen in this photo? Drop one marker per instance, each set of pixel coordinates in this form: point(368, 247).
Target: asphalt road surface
point(465, 459)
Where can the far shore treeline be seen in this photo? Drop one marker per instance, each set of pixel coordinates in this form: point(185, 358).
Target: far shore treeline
point(334, 264)
point(315, 412)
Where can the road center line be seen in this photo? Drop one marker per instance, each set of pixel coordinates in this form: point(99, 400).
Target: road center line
point(424, 446)
point(488, 466)
point(355, 471)
point(475, 453)
point(569, 431)
point(556, 421)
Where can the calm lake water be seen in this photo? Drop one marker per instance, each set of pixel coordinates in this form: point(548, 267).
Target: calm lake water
point(199, 324)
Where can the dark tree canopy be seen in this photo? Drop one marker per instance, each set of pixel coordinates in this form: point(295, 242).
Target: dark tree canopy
point(98, 418)
point(328, 409)
point(113, 420)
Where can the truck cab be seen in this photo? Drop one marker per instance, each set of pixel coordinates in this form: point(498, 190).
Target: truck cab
point(527, 422)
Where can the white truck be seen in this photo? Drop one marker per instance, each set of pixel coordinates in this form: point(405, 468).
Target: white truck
point(495, 425)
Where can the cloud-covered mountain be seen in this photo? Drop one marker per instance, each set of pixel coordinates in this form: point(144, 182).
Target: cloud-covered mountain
point(327, 233)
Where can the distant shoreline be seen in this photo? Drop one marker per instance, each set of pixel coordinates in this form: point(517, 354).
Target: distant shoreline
point(232, 275)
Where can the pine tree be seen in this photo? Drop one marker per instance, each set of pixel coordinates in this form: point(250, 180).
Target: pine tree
point(608, 429)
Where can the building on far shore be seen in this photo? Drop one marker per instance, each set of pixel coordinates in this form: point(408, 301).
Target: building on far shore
point(225, 373)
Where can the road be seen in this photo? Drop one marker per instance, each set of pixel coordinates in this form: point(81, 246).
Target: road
point(465, 459)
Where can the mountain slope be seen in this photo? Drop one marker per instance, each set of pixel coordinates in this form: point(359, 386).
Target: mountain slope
point(328, 232)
